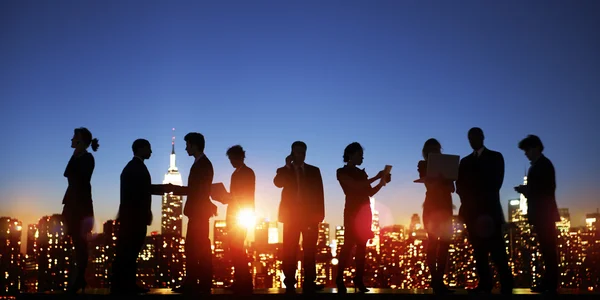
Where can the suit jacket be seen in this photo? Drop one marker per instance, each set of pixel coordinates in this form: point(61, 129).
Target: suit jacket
point(78, 197)
point(198, 203)
point(242, 188)
point(541, 185)
point(478, 185)
point(301, 202)
point(136, 194)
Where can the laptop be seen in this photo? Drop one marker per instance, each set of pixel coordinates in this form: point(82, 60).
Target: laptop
point(444, 164)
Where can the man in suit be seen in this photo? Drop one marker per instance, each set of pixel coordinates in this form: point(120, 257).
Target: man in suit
point(301, 210)
point(542, 211)
point(199, 209)
point(134, 215)
point(240, 205)
point(480, 178)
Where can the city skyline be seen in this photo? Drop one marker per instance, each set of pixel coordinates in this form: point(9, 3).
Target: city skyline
point(388, 74)
point(166, 217)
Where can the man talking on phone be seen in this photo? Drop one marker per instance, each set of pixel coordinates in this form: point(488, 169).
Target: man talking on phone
point(301, 210)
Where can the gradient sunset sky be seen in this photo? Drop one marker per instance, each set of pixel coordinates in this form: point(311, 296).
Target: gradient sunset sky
point(387, 74)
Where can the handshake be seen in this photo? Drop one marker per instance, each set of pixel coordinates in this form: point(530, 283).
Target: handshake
point(171, 188)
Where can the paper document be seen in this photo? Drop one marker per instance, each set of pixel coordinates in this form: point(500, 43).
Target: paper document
point(218, 191)
point(444, 164)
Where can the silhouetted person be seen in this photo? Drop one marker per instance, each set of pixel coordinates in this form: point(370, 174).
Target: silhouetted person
point(199, 209)
point(357, 213)
point(542, 211)
point(437, 217)
point(301, 210)
point(78, 211)
point(240, 205)
point(480, 177)
point(134, 215)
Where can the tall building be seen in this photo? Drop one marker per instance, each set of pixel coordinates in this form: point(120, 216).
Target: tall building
point(172, 205)
point(261, 234)
point(339, 238)
point(514, 210)
point(31, 231)
point(564, 225)
point(461, 266)
point(10, 254)
point(54, 254)
point(220, 238)
point(374, 242)
point(273, 234)
point(323, 238)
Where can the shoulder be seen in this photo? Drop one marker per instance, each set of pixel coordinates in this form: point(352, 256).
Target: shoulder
point(466, 158)
point(495, 154)
point(312, 168)
point(247, 171)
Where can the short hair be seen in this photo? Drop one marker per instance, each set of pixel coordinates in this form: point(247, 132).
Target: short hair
point(531, 141)
point(139, 144)
point(195, 138)
point(429, 145)
point(236, 151)
point(351, 150)
point(476, 131)
point(86, 138)
point(299, 144)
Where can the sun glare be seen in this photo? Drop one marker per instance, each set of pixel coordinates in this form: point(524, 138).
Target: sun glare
point(246, 218)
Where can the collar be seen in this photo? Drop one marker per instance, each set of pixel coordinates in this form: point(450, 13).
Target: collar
point(241, 167)
point(135, 156)
point(479, 151)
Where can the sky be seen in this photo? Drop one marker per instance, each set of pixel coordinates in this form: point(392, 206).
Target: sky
point(387, 74)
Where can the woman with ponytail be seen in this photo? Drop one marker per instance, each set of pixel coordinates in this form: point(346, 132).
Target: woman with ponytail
point(78, 212)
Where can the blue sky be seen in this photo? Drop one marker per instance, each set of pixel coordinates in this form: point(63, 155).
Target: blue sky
point(388, 74)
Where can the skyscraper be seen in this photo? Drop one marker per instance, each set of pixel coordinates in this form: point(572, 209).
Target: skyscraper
point(172, 205)
point(10, 254)
point(55, 253)
point(339, 238)
point(219, 238)
point(514, 210)
point(374, 242)
point(261, 234)
point(323, 238)
point(31, 231)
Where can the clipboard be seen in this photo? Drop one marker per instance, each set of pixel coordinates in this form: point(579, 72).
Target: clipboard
point(218, 191)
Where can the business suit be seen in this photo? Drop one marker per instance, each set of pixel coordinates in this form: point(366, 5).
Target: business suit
point(78, 211)
point(242, 188)
point(134, 215)
point(199, 209)
point(480, 178)
point(301, 210)
point(542, 214)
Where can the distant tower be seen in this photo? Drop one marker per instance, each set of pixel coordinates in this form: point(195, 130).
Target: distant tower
point(172, 205)
point(374, 242)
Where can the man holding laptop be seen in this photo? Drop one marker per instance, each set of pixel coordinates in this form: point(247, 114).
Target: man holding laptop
point(240, 201)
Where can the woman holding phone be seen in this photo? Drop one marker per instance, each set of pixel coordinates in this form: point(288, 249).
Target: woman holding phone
point(437, 217)
point(357, 213)
point(78, 212)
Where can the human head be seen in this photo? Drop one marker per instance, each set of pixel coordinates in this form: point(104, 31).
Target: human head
point(141, 148)
point(353, 154)
point(82, 138)
point(194, 143)
point(236, 155)
point(431, 146)
point(532, 146)
point(476, 138)
point(299, 152)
